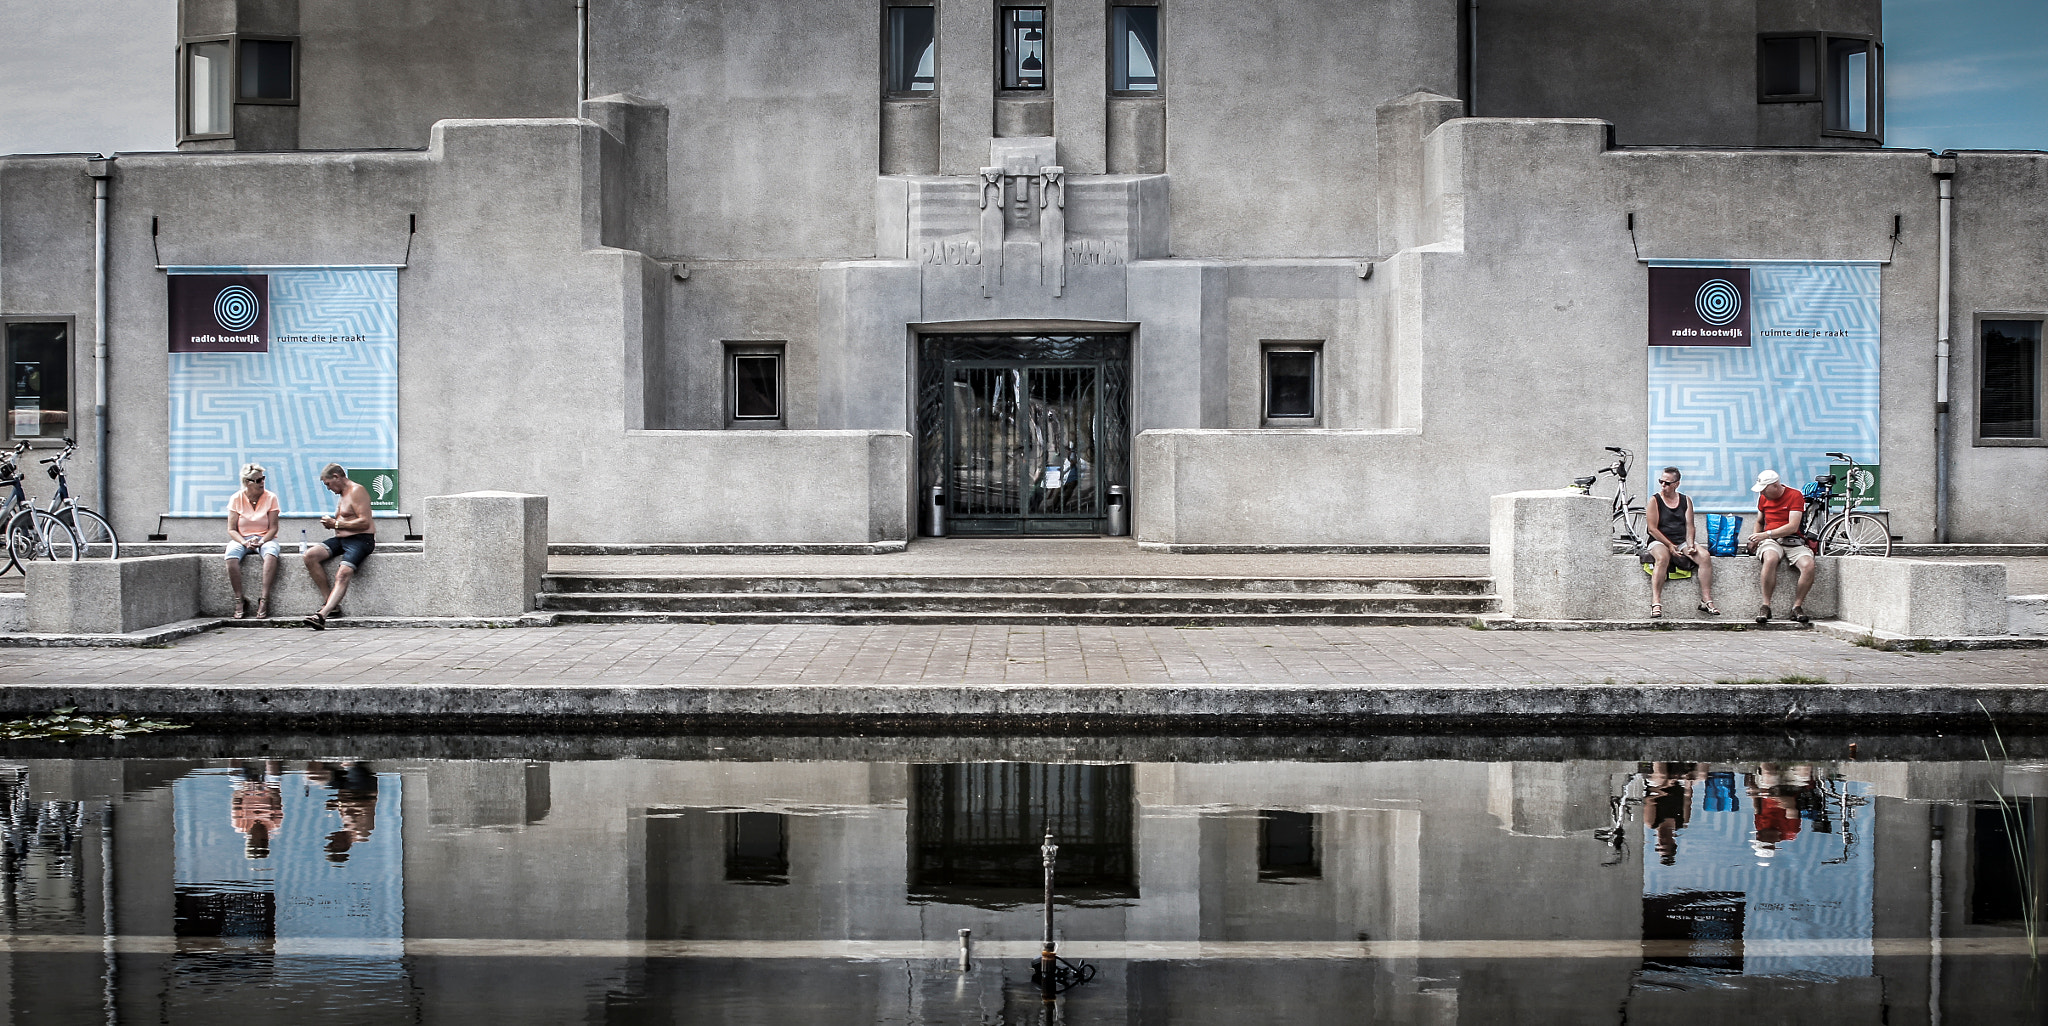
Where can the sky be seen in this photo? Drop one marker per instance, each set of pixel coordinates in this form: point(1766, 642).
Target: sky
point(98, 75)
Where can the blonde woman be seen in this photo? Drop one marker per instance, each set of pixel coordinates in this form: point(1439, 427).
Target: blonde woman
point(252, 528)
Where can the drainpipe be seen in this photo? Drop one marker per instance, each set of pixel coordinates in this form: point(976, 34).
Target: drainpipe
point(582, 54)
point(1944, 169)
point(1472, 59)
point(101, 169)
point(1937, 823)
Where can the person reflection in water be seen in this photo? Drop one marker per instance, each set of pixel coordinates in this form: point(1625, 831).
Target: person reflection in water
point(257, 809)
point(1667, 803)
point(355, 799)
point(1777, 806)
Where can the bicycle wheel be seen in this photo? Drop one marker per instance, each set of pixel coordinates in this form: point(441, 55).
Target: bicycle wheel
point(1858, 534)
point(95, 536)
point(34, 534)
point(1628, 526)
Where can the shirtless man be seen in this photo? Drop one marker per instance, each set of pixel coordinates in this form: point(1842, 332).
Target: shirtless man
point(355, 535)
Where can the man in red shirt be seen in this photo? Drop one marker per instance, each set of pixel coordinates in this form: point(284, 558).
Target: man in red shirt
point(1779, 511)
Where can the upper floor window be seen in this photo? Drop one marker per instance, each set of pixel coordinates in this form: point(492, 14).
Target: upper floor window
point(1293, 384)
point(1840, 72)
point(1134, 49)
point(1023, 47)
point(2009, 380)
point(222, 72)
point(912, 57)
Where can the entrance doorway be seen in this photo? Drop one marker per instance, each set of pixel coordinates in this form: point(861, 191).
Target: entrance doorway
point(1024, 433)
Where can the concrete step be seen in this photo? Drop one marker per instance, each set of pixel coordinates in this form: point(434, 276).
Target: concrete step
point(943, 617)
point(1010, 585)
point(1200, 604)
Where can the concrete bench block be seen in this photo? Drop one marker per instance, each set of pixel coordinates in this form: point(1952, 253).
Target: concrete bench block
point(1738, 590)
point(487, 551)
point(389, 584)
point(1924, 600)
point(2027, 614)
point(114, 596)
point(1549, 552)
point(13, 613)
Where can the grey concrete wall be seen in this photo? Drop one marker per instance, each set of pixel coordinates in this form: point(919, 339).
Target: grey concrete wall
point(775, 140)
point(1924, 599)
point(1270, 117)
point(2001, 214)
point(377, 73)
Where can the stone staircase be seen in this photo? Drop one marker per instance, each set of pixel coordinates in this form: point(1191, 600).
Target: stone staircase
point(944, 599)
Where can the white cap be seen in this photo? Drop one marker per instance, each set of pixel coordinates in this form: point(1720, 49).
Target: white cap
point(1765, 480)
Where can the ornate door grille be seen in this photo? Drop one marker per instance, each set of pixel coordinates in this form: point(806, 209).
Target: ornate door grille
point(1024, 432)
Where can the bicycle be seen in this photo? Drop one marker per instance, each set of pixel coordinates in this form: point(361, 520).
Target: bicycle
point(95, 536)
point(1848, 533)
point(29, 532)
point(1627, 518)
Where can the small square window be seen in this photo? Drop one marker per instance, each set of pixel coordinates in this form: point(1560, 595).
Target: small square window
point(1134, 49)
point(754, 384)
point(266, 70)
point(912, 58)
point(38, 379)
point(209, 88)
point(2009, 389)
point(1023, 47)
point(757, 848)
point(1293, 388)
point(1287, 846)
point(1787, 69)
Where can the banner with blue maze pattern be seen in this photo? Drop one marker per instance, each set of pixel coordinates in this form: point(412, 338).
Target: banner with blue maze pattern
point(1807, 385)
point(326, 392)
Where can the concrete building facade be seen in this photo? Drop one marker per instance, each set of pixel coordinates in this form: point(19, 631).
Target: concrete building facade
point(1260, 269)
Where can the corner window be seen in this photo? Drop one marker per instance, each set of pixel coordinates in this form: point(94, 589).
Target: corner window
point(1852, 86)
point(2009, 381)
point(1787, 70)
point(1134, 49)
point(754, 384)
point(912, 59)
point(1023, 47)
point(209, 88)
point(1287, 846)
point(38, 379)
point(267, 72)
point(1293, 388)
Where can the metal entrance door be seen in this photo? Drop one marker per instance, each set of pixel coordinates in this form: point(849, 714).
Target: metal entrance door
point(1022, 440)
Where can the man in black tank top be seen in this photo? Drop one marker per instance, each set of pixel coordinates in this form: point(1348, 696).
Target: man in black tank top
point(1674, 544)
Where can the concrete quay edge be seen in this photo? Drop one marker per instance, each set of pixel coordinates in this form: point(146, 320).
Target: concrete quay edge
point(1083, 708)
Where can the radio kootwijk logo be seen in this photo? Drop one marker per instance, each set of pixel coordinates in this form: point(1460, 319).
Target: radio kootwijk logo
point(235, 308)
point(220, 313)
point(1717, 302)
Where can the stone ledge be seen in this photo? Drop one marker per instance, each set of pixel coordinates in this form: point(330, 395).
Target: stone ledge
point(1889, 641)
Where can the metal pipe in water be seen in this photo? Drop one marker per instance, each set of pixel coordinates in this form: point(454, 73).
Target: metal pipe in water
point(966, 950)
point(1048, 957)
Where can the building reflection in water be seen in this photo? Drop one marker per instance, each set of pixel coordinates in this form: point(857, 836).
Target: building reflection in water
point(832, 892)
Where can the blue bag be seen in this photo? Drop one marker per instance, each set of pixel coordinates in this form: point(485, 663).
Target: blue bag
point(1724, 534)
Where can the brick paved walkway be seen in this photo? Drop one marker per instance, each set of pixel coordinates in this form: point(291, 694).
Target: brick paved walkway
point(683, 655)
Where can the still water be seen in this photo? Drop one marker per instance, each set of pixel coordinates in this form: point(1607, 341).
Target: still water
point(344, 883)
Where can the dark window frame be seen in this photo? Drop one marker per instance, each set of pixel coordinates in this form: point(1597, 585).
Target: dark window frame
point(1873, 86)
point(1290, 872)
point(1818, 42)
point(185, 45)
point(257, 37)
point(2040, 437)
point(749, 869)
point(1267, 347)
point(1044, 88)
point(938, 58)
point(235, 97)
point(70, 377)
point(734, 351)
point(1159, 58)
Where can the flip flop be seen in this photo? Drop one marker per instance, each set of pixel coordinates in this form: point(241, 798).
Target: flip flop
point(263, 609)
point(241, 610)
point(317, 621)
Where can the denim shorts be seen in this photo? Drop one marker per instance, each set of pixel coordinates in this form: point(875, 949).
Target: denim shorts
point(237, 550)
point(352, 549)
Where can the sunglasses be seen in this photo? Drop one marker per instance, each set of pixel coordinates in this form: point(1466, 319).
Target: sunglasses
point(257, 479)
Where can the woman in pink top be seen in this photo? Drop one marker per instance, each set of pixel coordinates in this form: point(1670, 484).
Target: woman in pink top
point(252, 528)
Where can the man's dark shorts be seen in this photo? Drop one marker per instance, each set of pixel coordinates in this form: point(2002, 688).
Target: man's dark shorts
point(352, 549)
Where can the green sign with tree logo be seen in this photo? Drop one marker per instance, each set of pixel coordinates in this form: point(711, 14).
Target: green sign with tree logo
point(382, 484)
point(1866, 487)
